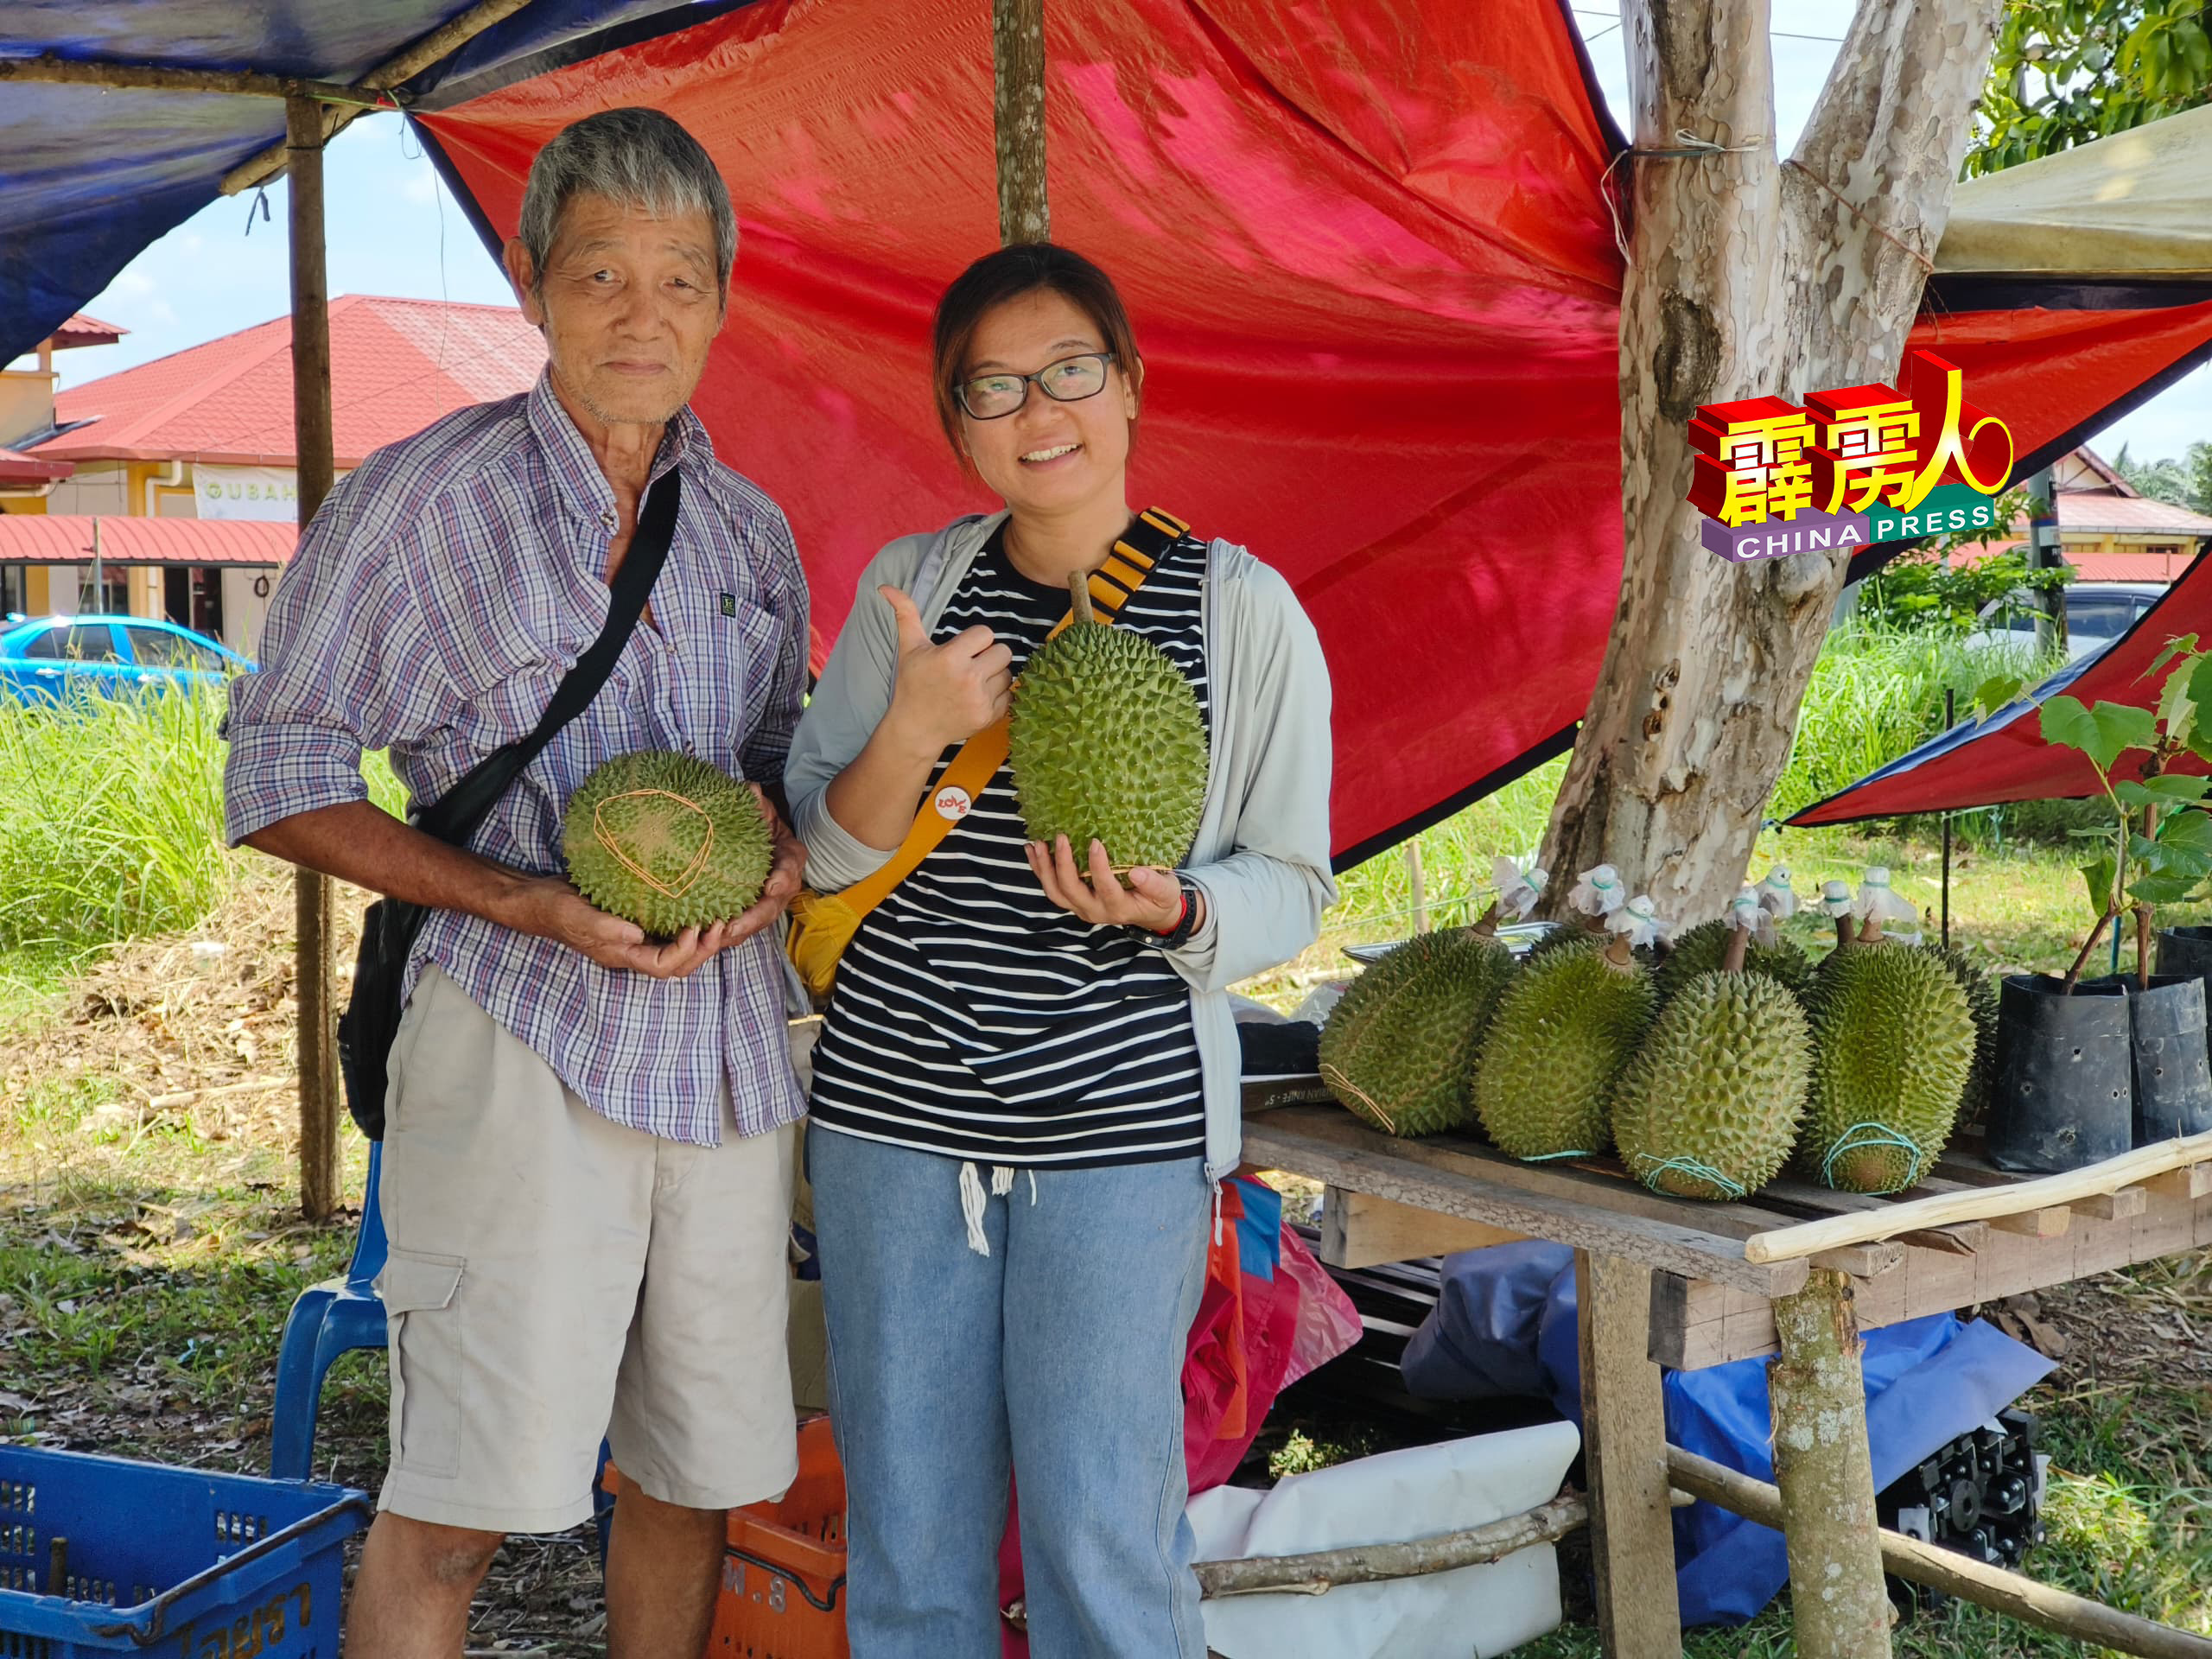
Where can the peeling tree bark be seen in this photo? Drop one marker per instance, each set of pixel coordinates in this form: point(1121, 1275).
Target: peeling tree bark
point(1838, 1605)
point(1746, 276)
point(1018, 68)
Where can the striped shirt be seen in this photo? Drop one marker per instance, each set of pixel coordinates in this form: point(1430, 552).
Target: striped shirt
point(435, 603)
point(972, 1016)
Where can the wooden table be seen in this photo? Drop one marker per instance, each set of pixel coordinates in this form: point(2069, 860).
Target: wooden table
point(1676, 1282)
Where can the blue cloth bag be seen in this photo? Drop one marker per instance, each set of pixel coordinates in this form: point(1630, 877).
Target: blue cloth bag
point(1505, 1324)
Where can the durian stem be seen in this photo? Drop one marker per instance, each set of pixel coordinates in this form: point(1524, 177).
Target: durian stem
point(1485, 926)
point(1740, 945)
point(1079, 596)
point(1870, 932)
point(1822, 1465)
point(1846, 929)
point(1620, 953)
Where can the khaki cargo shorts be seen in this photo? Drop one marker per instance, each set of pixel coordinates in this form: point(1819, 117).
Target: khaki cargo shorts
point(555, 1277)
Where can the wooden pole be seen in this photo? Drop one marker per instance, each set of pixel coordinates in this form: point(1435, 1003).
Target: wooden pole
point(1017, 106)
point(1417, 878)
point(1324, 1569)
point(1981, 1203)
point(440, 43)
point(313, 440)
point(2011, 1593)
point(1624, 1448)
point(1826, 1475)
point(163, 78)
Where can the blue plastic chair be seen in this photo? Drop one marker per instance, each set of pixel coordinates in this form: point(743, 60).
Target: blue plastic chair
point(326, 1320)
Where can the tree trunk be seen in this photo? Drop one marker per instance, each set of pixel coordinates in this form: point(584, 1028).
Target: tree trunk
point(1746, 277)
point(1018, 68)
point(1839, 1607)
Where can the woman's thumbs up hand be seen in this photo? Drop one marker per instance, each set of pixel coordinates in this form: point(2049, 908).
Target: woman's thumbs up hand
point(944, 693)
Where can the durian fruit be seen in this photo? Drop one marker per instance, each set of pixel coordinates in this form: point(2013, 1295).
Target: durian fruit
point(1700, 950)
point(1400, 1044)
point(1107, 744)
point(1567, 936)
point(1565, 1026)
point(1712, 1103)
point(666, 841)
point(1894, 1041)
point(1981, 1003)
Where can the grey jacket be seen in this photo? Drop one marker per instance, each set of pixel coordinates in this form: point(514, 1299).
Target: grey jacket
point(1261, 855)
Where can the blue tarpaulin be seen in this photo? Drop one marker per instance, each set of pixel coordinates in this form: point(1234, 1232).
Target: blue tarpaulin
point(89, 176)
point(1505, 1324)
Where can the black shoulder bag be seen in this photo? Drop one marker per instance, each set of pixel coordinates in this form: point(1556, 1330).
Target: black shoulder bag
point(365, 1030)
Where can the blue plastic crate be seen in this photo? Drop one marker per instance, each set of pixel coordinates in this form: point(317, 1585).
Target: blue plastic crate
point(176, 1562)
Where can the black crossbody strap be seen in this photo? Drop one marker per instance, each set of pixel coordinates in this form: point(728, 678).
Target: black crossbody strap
point(455, 815)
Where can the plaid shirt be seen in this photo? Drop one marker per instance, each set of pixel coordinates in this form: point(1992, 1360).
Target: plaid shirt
point(435, 603)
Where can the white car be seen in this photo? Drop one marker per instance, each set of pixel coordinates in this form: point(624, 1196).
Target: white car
point(2097, 613)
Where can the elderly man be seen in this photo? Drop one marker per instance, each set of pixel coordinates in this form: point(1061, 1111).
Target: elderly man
point(587, 1164)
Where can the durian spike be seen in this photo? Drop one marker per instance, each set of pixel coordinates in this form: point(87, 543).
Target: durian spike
point(1079, 596)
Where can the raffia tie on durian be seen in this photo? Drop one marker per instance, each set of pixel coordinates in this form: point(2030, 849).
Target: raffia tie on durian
point(685, 877)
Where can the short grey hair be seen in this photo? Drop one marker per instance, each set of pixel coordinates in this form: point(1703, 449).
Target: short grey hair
point(635, 157)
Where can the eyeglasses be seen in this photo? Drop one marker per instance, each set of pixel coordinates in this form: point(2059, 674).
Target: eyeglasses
point(993, 396)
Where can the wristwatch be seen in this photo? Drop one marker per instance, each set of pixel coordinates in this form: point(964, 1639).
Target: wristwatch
point(1179, 935)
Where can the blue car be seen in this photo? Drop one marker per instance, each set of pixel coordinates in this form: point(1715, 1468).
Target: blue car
point(51, 658)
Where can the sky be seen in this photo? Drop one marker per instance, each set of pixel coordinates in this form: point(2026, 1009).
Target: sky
point(393, 230)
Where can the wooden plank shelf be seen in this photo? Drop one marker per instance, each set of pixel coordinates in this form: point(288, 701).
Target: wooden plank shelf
point(1716, 1267)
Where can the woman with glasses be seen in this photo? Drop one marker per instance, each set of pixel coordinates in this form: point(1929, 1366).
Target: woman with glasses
point(1026, 1092)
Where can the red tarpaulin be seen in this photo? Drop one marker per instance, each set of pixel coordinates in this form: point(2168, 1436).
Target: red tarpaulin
point(1374, 280)
point(2002, 757)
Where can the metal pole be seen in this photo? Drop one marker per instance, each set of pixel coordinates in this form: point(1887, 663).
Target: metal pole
point(1018, 109)
point(1950, 719)
point(313, 910)
point(2043, 554)
point(99, 577)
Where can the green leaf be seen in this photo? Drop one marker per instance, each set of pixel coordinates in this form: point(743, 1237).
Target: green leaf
point(2182, 787)
point(2133, 794)
point(1996, 691)
point(2179, 645)
point(2099, 878)
point(2187, 829)
point(2068, 725)
point(2177, 708)
point(2163, 889)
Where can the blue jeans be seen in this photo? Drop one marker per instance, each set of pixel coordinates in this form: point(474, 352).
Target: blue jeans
point(1059, 1357)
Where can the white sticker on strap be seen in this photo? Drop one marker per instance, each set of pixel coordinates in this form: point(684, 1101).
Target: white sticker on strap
point(953, 802)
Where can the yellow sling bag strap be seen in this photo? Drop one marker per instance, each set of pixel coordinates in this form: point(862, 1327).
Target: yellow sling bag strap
point(822, 923)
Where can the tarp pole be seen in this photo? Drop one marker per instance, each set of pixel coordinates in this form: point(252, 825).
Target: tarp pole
point(1018, 110)
point(313, 910)
point(2043, 554)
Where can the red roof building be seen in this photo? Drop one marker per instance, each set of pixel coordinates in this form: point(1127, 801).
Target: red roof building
point(396, 365)
point(2109, 531)
point(186, 465)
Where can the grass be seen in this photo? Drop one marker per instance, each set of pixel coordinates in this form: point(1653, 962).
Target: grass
point(111, 826)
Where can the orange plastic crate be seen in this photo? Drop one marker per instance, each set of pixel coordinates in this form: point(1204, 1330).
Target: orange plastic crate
point(782, 1593)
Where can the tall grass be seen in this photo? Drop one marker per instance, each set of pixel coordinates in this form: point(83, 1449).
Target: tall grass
point(110, 818)
point(1876, 693)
